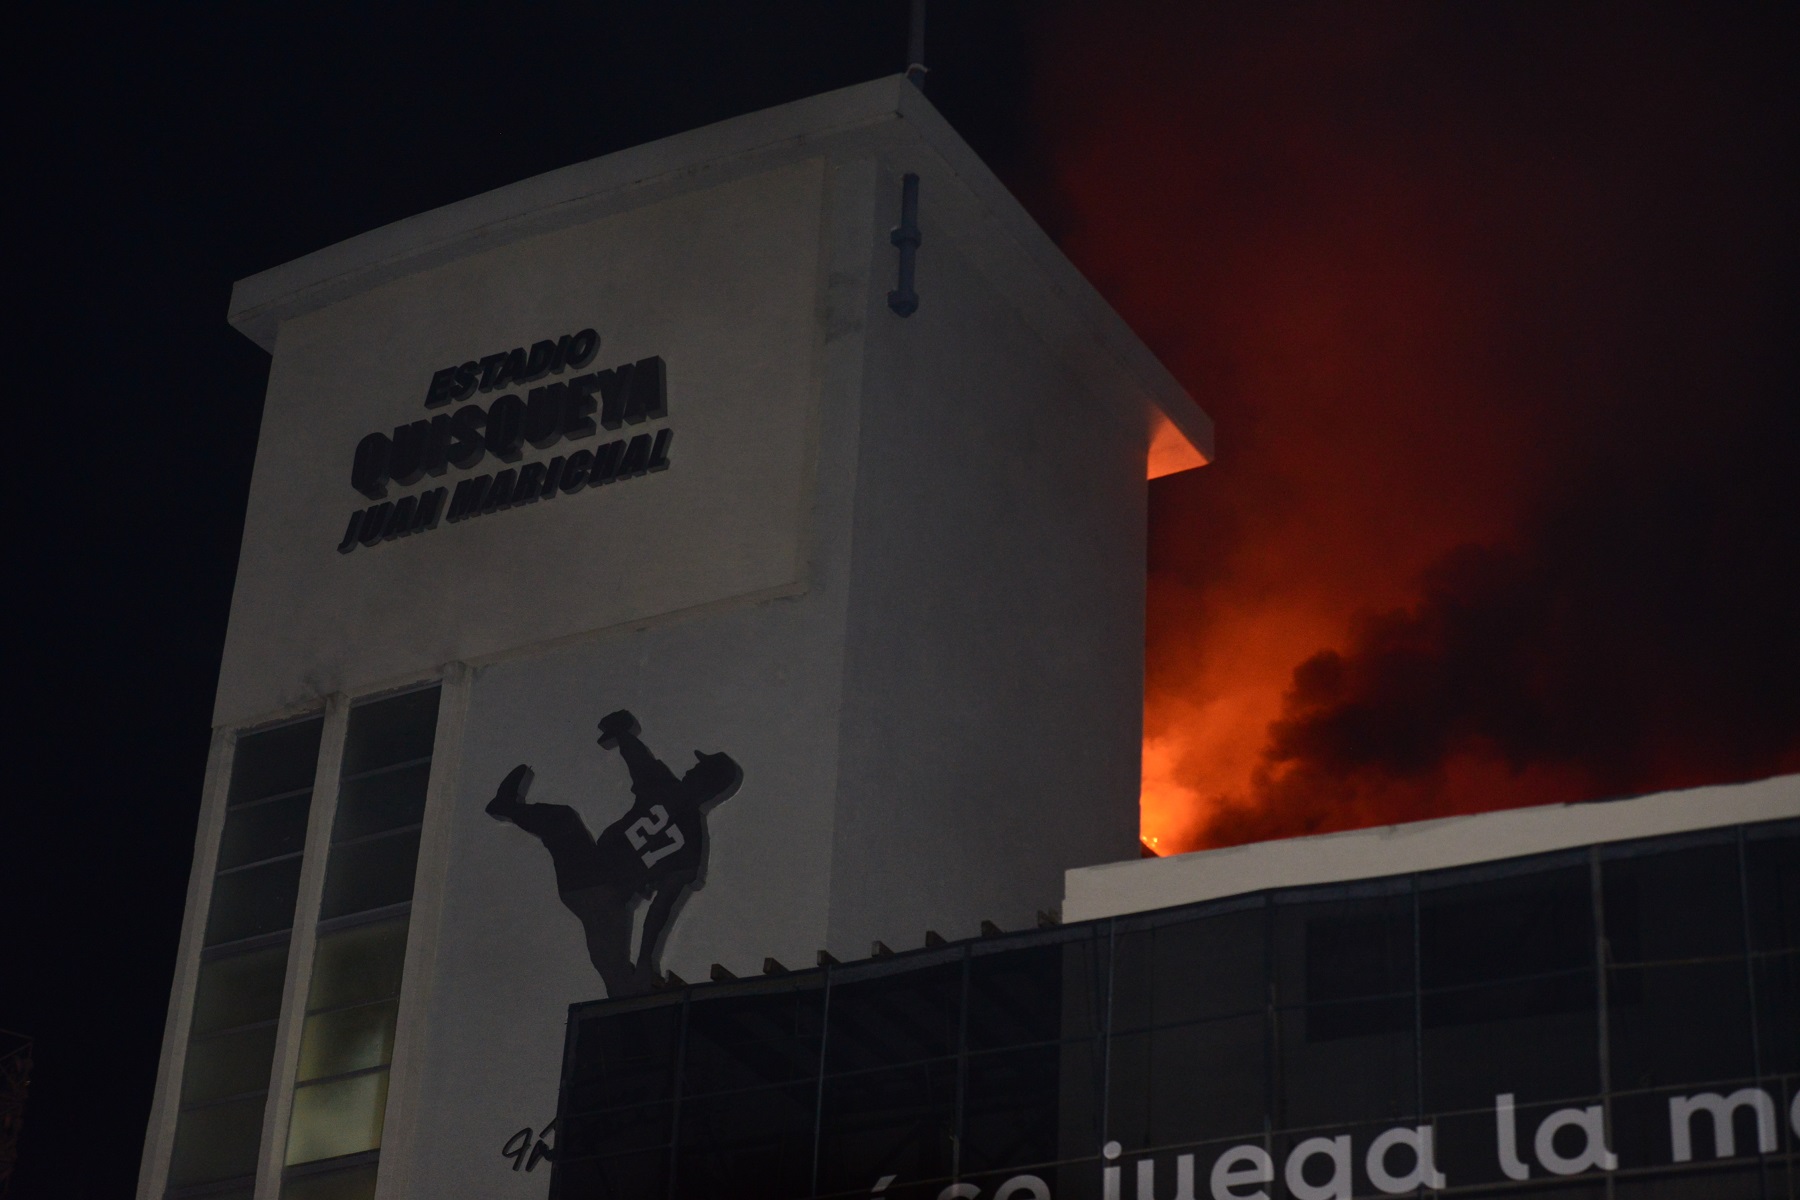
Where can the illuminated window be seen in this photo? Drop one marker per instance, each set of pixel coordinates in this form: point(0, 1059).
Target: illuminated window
point(237, 1001)
point(353, 1001)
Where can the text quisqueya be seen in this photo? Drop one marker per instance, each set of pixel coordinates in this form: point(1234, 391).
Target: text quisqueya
point(557, 410)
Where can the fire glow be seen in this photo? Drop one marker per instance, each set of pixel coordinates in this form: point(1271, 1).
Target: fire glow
point(1503, 511)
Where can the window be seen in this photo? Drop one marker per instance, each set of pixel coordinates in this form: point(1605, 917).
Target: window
point(1507, 956)
point(237, 1000)
point(353, 1001)
point(1678, 996)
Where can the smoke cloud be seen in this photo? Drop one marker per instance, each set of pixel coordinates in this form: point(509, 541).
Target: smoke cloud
point(1491, 305)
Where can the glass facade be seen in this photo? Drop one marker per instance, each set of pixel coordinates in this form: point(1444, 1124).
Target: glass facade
point(1615, 1021)
point(353, 1001)
point(237, 1001)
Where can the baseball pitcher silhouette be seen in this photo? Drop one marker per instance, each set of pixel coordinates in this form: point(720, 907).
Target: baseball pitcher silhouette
point(657, 850)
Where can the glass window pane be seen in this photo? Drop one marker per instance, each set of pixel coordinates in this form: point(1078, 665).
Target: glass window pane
point(361, 876)
point(1336, 1070)
point(240, 989)
point(1133, 999)
point(1504, 928)
point(342, 1116)
point(1637, 1126)
point(1692, 1184)
point(619, 1131)
point(1778, 1012)
point(624, 1058)
point(624, 1177)
point(764, 1135)
point(253, 901)
point(1010, 1108)
point(1179, 971)
point(266, 830)
point(390, 731)
point(383, 801)
point(1156, 1096)
point(894, 1017)
point(1015, 998)
point(228, 1064)
point(1536, 1038)
point(348, 1039)
point(1679, 1024)
point(1082, 1098)
point(1343, 949)
point(1356, 1018)
point(1684, 903)
point(1087, 982)
point(275, 761)
point(1536, 996)
point(898, 1121)
point(353, 1183)
point(756, 1040)
point(1772, 879)
point(356, 966)
point(216, 1142)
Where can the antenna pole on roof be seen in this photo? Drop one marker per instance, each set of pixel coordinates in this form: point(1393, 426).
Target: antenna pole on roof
point(915, 47)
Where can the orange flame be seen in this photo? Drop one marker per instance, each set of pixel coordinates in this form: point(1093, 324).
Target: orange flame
point(1409, 267)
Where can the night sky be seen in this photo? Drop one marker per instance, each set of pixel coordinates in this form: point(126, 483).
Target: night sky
point(1492, 304)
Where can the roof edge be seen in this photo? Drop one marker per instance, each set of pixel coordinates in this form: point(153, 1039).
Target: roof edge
point(1142, 885)
point(1121, 341)
point(583, 191)
point(542, 203)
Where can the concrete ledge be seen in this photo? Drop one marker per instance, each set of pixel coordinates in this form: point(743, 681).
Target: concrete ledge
point(1112, 889)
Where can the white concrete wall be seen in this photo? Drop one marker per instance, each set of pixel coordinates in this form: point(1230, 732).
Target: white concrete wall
point(994, 682)
point(1139, 885)
point(721, 282)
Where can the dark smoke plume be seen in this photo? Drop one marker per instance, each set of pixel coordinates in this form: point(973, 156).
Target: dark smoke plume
point(1492, 304)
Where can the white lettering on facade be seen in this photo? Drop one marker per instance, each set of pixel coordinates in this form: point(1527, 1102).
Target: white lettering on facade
point(1720, 1109)
point(1337, 1151)
point(1506, 1138)
point(1242, 1166)
point(1591, 1121)
point(1403, 1160)
point(1424, 1172)
point(1184, 1178)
